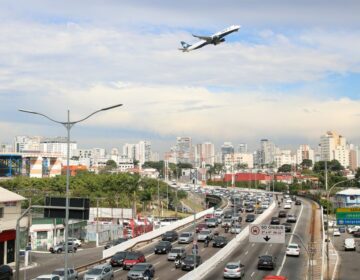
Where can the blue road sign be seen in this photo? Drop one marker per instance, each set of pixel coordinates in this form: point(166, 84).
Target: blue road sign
point(348, 221)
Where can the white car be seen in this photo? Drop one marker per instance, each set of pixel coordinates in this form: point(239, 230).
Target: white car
point(234, 270)
point(336, 232)
point(235, 229)
point(288, 201)
point(47, 277)
point(293, 249)
point(353, 229)
point(349, 244)
point(287, 206)
point(203, 234)
point(218, 212)
point(76, 241)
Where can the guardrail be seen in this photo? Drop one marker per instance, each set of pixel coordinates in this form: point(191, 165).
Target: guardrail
point(206, 267)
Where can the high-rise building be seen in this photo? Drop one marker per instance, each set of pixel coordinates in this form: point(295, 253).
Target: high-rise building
point(353, 162)
point(236, 159)
point(184, 149)
point(226, 149)
point(333, 146)
point(140, 151)
point(27, 144)
point(242, 148)
point(204, 154)
point(267, 150)
point(57, 145)
point(305, 152)
point(284, 157)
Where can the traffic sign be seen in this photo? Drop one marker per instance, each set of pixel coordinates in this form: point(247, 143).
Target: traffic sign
point(348, 216)
point(267, 234)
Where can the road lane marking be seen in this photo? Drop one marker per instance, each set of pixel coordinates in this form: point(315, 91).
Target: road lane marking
point(270, 245)
point(253, 245)
point(172, 269)
point(247, 252)
point(252, 274)
point(291, 238)
point(159, 262)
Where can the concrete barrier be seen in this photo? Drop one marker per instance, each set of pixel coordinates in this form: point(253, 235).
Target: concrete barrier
point(154, 234)
point(206, 267)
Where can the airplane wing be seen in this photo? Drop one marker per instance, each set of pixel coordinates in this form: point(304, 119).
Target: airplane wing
point(206, 38)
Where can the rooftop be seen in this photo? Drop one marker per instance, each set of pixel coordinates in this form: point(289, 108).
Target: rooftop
point(6, 196)
point(350, 191)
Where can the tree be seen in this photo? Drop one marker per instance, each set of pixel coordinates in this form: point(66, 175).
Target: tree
point(111, 164)
point(333, 166)
point(285, 168)
point(306, 163)
point(241, 166)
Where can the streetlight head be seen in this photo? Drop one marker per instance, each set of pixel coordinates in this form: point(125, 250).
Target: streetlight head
point(26, 111)
point(111, 107)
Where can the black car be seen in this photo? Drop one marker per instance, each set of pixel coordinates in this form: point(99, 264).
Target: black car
point(170, 236)
point(219, 241)
point(6, 272)
point(115, 242)
point(118, 258)
point(189, 261)
point(250, 218)
point(163, 247)
point(228, 215)
point(298, 202)
point(275, 221)
point(287, 227)
point(266, 262)
point(140, 271)
point(282, 214)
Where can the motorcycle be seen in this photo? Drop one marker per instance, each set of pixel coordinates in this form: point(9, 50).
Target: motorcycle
point(177, 264)
point(226, 229)
point(206, 243)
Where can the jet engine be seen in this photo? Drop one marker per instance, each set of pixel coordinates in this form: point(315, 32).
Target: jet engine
point(219, 41)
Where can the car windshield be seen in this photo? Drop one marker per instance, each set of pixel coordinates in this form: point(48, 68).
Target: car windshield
point(211, 220)
point(176, 251)
point(204, 232)
point(120, 255)
point(266, 258)
point(168, 233)
point(190, 258)
point(219, 238)
point(59, 272)
point(185, 234)
point(232, 266)
point(95, 271)
point(163, 243)
point(293, 246)
point(139, 267)
point(132, 256)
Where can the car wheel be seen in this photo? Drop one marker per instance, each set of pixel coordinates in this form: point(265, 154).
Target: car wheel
point(59, 251)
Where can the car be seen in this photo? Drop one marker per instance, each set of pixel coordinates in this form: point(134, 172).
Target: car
point(212, 222)
point(259, 211)
point(353, 229)
point(266, 262)
point(226, 222)
point(218, 212)
point(219, 241)
point(170, 236)
point(287, 206)
point(140, 271)
point(356, 234)
point(115, 242)
point(185, 237)
point(48, 277)
point(298, 202)
point(275, 221)
point(132, 258)
point(200, 227)
point(293, 249)
point(265, 205)
point(190, 261)
point(72, 273)
point(209, 216)
point(176, 251)
point(6, 272)
point(282, 214)
point(163, 247)
point(287, 227)
point(228, 215)
point(118, 258)
point(236, 218)
point(76, 241)
point(234, 270)
point(100, 272)
point(249, 209)
point(250, 218)
point(235, 229)
point(203, 234)
point(288, 201)
point(60, 247)
point(349, 244)
point(291, 218)
point(336, 232)
point(274, 277)
point(342, 229)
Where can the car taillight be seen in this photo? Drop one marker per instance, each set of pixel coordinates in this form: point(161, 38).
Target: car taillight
point(238, 270)
point(225, 270)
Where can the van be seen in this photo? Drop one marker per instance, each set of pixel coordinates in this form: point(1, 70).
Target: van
point(349, 244)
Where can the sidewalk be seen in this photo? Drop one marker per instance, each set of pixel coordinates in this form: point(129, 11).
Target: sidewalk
point(316, 244)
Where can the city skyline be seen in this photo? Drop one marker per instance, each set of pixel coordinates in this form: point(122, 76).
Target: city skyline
point(281, 76)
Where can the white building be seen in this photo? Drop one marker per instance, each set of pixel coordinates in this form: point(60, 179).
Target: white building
point(139, 151)
point(204, 154)
point(6, 148)
point(305, 152)
point(267, 152)
point(333, 146)
point(284, 157)
point(27, 144)
point(57, 145)
point(242, 148)
point(184, 149)
point(239, 158)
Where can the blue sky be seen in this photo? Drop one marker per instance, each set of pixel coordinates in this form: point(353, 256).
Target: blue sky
point(290, 74)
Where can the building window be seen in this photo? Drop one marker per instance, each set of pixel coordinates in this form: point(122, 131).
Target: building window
point(1, 212)
point(352, 197)
point(42, 235)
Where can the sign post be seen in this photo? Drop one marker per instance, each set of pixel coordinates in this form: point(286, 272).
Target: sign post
point(267, 234)
point(348, 216)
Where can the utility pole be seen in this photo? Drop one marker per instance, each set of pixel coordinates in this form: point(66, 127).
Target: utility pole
point(158, 195)
point(97, 222)
point(327, 227)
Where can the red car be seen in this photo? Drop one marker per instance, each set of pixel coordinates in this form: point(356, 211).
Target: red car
point(200, 227)
point(273, 277)
point(209, 216)
point(133, 258)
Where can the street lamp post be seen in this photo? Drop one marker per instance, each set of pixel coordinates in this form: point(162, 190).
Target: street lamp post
point(68, 125)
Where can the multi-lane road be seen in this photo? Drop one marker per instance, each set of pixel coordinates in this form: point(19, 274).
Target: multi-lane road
point(248, 253)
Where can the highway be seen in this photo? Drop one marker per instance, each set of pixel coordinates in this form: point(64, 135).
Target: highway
point(292, 267)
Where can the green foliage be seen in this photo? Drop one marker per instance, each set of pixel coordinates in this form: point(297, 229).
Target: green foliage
point(333, 166)
point(111, 164)
point(158, 165)
point(306, 163)
point(285, 168)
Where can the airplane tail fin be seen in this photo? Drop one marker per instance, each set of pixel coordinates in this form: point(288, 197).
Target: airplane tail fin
point(185, 45)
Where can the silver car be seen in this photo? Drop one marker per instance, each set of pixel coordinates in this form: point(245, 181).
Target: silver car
point(47, 277)
point(72, 273)
point(176, 251)
point(203, 234)
point(100, 272)
point(234, 270)
point(185, 237)
point(235, 229)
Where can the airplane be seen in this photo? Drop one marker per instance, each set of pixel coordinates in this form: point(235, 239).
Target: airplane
point(214, 39)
